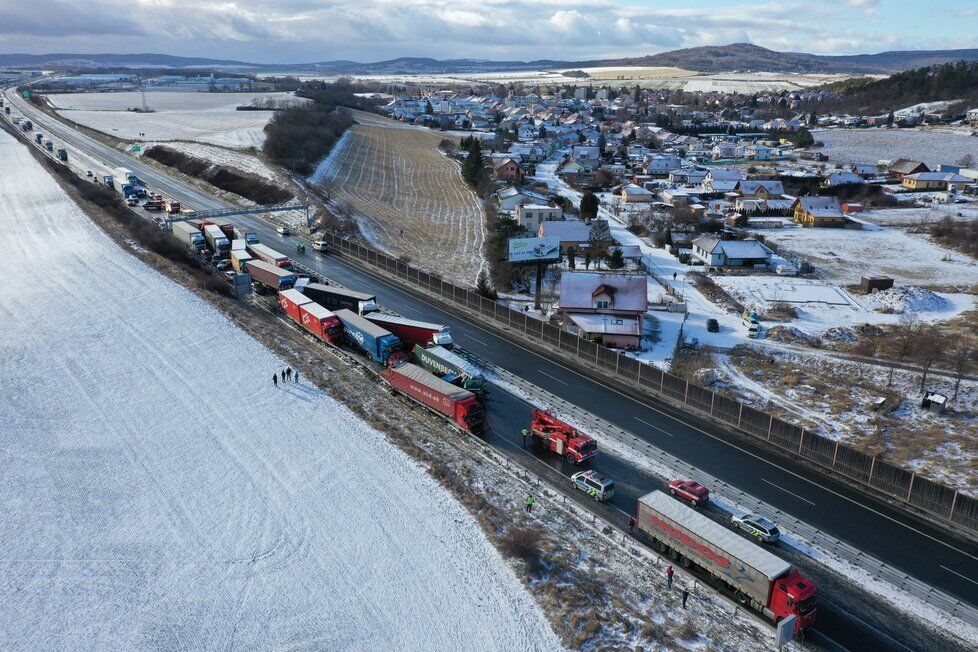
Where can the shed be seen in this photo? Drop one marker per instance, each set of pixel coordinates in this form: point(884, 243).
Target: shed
point(875, 283)
point(934, 402)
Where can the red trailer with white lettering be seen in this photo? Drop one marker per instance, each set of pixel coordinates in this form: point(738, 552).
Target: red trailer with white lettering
point(321, 322)
point(291, 300)
point(459, 405)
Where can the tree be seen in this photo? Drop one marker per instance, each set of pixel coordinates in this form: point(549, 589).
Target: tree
point(587, 260)
point(616, 260)
point(428, 109)
point(963, 358)
point(866, 347)
point(813, 119)
point(484, 287)
point(967, 161)
point(889, 119)
point(599, 236)
point(602, 142)
point(542, 133)
point(589, 206)
point(903, 341)
point(571, 258)
point(473, 169)
point(928, 348)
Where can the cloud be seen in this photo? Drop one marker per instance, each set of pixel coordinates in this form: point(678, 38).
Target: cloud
point(371, 30)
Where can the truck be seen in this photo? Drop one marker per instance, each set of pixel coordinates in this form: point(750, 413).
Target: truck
point(26, 125)
point(458, 404)
point(63, 154)
point(290, 300)
point(49, 145)
point(271, 276)
point(451, 367)
point(758, 579)
point(109, 180)
point(217, 241)
point(380, 344)
point(189, 235)
point(126, 175)
point(150, 204)
point(269, 255)
point(171, 206)
point(38, 138)
point(334, 297)
point(122, 186)
point(240, 260)
point(561, 438)
point(316, 319)
point(239, 245)
point(412, 331)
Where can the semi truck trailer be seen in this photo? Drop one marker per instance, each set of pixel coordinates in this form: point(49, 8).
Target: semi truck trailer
point(412, 331)
point(313, 317)
point(458, 404)
point(451, 367)
point(270, 256)
point(271, 276)
point(240, 260)
point(189, 235)
point(757, 578)
point(335, 297)
point(380, 344)
point(126, 175)
point(216, 240)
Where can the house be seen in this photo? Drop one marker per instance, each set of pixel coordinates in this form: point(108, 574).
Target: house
point(726, 150)
point(509, 170)
point(730, 253)
point(531, 215)
point(759, 189)
point(721, 180)
point(819, 212)
point(903, 167)
point(662, 165)
point(510, 197)
point(759, 152)
point(971, 117)
point(931, 180)
point(864, 170)
point(632, 194)
point(573, 234)
point(576, 174)
point(837, 179)
point(604, 307)
point(687, 177)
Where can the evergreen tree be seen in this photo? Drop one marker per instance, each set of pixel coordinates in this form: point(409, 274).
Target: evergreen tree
point(602, 142)
point(428, 108)
point(473, 169)
point(542, 133)
point(616, 260)
point(589, 206)
point(484, 288)
point(889, 119)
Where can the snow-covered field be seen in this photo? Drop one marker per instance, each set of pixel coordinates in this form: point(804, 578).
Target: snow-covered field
point(931, 146)
point(843, 256)
point(243, 161)
point(159, 492)
point(199, 117)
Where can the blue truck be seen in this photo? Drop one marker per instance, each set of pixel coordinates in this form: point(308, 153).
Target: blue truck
point(380, 344)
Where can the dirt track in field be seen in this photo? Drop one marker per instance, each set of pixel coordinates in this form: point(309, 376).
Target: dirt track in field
point(407, 197)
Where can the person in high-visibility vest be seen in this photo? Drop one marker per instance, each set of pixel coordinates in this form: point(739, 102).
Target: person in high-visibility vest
point(526, 435)
point(529, 504)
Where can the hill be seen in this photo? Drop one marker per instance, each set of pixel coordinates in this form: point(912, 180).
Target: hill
point(946, 82)
point(745, 56)
point(63, 60)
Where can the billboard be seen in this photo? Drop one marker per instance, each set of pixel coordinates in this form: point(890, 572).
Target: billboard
point(534, 250)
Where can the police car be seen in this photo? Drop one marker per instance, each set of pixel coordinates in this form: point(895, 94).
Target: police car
point(600, 487)
point(758, 527)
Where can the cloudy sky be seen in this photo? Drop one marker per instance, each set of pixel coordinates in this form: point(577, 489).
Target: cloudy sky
point(280, 31)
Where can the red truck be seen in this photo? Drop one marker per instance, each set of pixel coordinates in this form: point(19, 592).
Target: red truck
point(412, 331)
point(290, 300)
point(459, 405)
point(691, 491)
point(321, 322)
point(560, 438)
point(758, 579)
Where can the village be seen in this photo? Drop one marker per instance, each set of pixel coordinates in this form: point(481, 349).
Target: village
point(715, 235)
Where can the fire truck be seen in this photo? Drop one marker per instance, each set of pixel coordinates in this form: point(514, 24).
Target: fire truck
point(560, 438)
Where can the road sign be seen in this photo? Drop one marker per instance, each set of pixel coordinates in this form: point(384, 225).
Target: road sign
point(534, 250)
point(786, 632)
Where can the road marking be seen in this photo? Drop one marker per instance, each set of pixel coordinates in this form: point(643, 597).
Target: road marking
point(845, 613)
point(959, 574)
point(562, 382)
point(788, 492)
point(469, 337)
point(513, 342)
point(652, 425)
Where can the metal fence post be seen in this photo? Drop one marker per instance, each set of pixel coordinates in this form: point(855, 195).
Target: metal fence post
point(740, 414)
point(662, 382)
point(770, 427)
point(872, 465)
point(686, 394)
point(910, 490)
point(954, 502)
point(713, 400)
point(801, 440)
point(835, 455)
point(617, 362)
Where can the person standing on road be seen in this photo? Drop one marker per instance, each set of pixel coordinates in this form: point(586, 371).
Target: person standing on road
point(288, 373)
point(296, 377)
point(631, 524)
point(526, 435)
point(674, 276)
point(669, 573)
point(685, 597)
point(529, 504)
point(275, 379)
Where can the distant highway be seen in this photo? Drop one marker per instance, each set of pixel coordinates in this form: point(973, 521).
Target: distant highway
point(909, 544)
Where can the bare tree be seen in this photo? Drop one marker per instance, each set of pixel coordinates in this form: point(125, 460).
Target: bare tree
point(928, 349)
point(902, 345)
point(963, 359)
point(866, 347)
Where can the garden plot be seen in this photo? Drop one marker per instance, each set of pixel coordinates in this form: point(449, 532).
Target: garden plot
point(198, 117)
point(842, 256)
point(872, 145)
point(407, 197)
point(159, 492)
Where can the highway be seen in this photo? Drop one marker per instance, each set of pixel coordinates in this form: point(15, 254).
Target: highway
point(912, 545)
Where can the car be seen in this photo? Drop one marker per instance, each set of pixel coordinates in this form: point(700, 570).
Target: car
point(283, 230)
point(222, 264)
point(132, 201)
point(691, 491)
point(600, 487)
point(229, 276)
point(88, 173)
point(758, 527)
point(320, 246)
point(712, 325)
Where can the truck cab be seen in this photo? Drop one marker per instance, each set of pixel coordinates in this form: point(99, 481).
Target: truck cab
point(561, 438)
point(794, 594)
point(472, 414)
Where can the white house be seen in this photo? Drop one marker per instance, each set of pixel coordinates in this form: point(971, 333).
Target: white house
point(531, 215)
point(721, 180)
point(730, 253)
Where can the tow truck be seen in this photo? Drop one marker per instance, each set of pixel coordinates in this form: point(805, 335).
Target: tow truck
point(561, 438)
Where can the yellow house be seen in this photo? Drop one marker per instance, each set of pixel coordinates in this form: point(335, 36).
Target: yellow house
point(931, 180)
point(819, 212)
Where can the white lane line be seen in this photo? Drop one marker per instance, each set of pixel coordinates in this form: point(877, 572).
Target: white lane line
point(469, 337)
point(959, 574)
point(788, 492)
point(562, 382)
point(846, 613)
point(652, 425)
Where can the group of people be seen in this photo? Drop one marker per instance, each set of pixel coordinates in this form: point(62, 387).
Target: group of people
point(287, 376)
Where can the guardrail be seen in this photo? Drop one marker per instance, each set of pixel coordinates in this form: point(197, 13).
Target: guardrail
point(942, 503)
